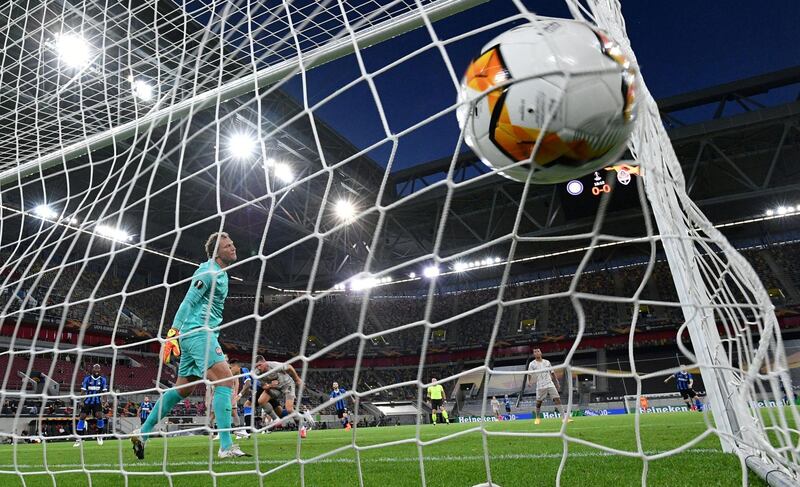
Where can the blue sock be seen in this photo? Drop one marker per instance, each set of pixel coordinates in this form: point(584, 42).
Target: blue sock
point(100, 424)
point(222, 411)
point(81, 425)
point(161, 409)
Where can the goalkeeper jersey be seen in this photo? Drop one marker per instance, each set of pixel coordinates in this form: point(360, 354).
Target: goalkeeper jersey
point(436, 391)
point(205, 300)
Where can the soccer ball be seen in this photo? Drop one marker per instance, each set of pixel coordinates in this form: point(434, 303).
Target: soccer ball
point(563, 84)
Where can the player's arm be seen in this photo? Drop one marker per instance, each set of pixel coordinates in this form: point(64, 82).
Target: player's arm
point(139, 410)
point(85, 387)
point(246, 387)
point(104, 389)
point(531, 372)
point(290, 370)
point(554, 377)
point(691, 381)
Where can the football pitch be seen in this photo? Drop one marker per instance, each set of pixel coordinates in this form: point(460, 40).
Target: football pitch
point(453, 455)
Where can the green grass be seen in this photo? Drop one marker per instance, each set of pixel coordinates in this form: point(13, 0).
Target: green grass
point(457, 460)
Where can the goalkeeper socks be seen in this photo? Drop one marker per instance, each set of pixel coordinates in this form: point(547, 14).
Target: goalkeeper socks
point(444, 415)
point(161, 409)
point(433, 418)
point(222, 411)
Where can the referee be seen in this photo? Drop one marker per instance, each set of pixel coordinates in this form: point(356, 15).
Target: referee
point(436, 398)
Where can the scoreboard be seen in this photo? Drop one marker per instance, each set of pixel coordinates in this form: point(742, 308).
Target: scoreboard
point(580, 197)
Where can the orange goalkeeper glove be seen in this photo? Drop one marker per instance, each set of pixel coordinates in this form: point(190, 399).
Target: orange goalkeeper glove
point(171, 347)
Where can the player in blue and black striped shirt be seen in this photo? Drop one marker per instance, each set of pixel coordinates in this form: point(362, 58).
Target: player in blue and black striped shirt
point(684, 381)
point(145, 408)
point(93, 387)
point(341, 405)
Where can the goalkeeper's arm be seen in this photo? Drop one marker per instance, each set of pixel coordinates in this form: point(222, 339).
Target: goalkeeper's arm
point(197, 292)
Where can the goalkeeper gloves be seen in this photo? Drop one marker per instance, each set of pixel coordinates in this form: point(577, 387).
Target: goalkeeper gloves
point(171, 348)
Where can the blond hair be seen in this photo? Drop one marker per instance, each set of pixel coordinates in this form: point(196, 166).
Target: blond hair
point(211, 243)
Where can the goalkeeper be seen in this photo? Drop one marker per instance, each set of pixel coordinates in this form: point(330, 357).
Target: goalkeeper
point(199, 348)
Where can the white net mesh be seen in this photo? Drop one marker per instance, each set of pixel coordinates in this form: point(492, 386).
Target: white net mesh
point(126, 141)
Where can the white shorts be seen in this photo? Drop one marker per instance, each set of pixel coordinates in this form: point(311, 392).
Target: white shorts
point(542, 394)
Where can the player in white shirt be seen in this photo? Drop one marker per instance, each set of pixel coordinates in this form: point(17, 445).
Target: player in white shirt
point(546, 384)
point(495, 407)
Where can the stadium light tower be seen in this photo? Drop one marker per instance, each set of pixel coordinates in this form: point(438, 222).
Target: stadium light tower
point(242, 145)
point(345, 210)
point(73, 50)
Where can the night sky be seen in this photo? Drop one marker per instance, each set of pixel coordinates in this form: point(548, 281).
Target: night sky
point(681, 46)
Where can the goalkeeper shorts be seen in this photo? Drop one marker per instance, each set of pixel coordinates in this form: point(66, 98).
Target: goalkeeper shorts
point(199, 352)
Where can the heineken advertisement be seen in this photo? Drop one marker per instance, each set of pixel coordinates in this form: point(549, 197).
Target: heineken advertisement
point(545, 415)
point(599, 412)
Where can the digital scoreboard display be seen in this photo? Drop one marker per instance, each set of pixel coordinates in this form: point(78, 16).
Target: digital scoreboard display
point(581, 197)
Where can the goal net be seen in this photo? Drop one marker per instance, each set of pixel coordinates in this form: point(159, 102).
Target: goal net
point(131, 131)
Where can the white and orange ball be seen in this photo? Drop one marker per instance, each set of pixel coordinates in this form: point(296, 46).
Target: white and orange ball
point(563, 84)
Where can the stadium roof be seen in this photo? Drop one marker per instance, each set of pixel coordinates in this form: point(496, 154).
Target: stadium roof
point(738, 158)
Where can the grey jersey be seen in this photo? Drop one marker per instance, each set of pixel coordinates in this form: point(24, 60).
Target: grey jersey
point(277, 371)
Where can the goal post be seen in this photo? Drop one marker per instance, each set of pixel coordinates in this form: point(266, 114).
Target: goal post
point(715, 285)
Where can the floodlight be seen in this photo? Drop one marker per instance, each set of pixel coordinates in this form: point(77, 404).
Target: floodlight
point(430, 272)
point(112, 233)
point(44, 211)
point(284, 172)
point(73, 50)
point(142, 90)
point(345, 210)
point(242, 145)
